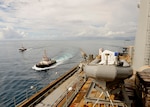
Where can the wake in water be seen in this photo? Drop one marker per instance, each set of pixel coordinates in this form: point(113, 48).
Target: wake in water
point(63, 56)
point(29, 49)
point(60, 59)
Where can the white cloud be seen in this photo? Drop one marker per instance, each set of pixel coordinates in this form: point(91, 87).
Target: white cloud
point(69, 17)
point(9, 33)
point(114, 33)
point(1, 36)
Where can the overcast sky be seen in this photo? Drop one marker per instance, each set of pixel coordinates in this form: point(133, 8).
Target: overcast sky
point(63, 19)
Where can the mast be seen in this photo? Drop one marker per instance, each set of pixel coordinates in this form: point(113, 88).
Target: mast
point(45, 58)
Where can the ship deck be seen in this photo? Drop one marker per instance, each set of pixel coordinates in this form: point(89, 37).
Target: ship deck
point(75, 91)
point(57, 97)
point(75, 85)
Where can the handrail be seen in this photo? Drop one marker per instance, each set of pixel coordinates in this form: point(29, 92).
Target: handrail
point(33, 100)
point(78, 84)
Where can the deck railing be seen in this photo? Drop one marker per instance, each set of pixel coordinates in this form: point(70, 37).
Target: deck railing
point(30, 101)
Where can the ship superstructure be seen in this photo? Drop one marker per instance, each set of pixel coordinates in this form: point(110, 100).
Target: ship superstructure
point(142, 40)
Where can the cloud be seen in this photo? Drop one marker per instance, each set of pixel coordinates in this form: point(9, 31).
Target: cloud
point(114, 33)
point(69, 18)
point(9, 33)
point(1, 36)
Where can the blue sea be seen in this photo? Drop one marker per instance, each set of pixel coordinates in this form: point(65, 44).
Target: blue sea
point(16, 73)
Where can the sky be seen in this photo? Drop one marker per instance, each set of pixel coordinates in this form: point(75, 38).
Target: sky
point(67, 19)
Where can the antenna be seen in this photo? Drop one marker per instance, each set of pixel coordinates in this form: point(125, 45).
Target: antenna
point(45, 53)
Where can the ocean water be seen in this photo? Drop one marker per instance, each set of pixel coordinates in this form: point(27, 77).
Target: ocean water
point(19, 81)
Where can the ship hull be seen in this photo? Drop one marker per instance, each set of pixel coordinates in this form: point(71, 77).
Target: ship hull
point(44, 67)
point(21, 50)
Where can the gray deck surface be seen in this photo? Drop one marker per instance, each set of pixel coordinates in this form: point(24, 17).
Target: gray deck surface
point(56, 94)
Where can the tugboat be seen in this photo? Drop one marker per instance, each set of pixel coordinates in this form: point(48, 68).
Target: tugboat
point(44, 64)
point(22, 49)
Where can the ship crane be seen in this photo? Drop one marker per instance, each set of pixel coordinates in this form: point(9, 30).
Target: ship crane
point(84, 55)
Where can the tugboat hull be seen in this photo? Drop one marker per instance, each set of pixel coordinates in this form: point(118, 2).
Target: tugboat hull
point(43, 67)
point(22, 50)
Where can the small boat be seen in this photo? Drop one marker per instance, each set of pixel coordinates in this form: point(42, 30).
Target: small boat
point(22, 49)
point(44, 64)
